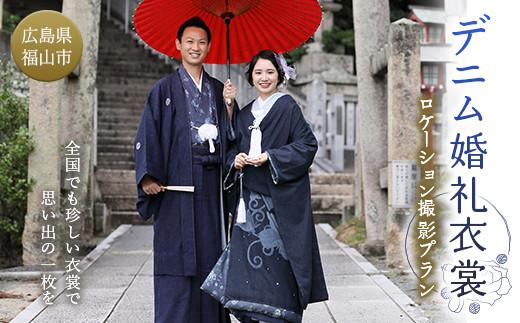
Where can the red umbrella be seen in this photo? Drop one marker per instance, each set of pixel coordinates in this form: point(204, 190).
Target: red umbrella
point(253, 25)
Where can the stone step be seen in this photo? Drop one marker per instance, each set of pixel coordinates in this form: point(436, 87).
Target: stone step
point(109, 34)
point(126, 53)
point(135, 73)
point(113, 87)
point(123, 99)
point(120, 125)
point(116, 133)
point(131, 102)
point(333, 218)
point(117, 176)
point(123, 41)
point(128, 77)
point(128, 45)
point(116, 164)
point(335, 203)
point(128, 48)
point(332, 189)
point(127, 217)
point(116, 140)
point(111, 82)
point(108, 118)
point(129, 149)
point(134, 60)
point(108, 80)
point(108, 97)
point(116, 34)
point(135, 102)
point(146, 66)
point(115, 156)
point(336, 178)
point(121, 109)
point(141, 64)
point(124, 95)
point(115, 90)
point(121, 202)
point(139, 80)
point(118, 188)
point(112, 164)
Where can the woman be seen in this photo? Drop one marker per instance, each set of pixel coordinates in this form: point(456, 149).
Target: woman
point(271, 268)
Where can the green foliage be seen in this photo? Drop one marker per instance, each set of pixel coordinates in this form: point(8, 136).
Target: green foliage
point(336, 37)
point(352, 232)
point(295, 55)
point(15, 146)
point(9, 20)
point(398, 9)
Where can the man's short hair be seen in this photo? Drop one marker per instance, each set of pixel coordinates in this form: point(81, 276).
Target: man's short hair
point(194, 22)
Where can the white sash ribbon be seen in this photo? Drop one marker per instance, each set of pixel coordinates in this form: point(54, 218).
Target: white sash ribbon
point(259, 110)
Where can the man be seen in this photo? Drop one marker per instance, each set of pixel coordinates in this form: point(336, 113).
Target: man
point(181, 141)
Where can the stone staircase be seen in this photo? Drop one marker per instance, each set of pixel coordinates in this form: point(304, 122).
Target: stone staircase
point(332, 197)
point(126, 72)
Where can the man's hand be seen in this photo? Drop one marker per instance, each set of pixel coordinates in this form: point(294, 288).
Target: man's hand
point(229, 93)
point(151, 186)
point(240, 161)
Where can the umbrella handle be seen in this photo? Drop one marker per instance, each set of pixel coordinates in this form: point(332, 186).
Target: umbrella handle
point(227, 16)
point(228, 53)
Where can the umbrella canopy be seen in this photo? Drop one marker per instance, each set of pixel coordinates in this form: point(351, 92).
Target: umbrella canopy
point(256, 24)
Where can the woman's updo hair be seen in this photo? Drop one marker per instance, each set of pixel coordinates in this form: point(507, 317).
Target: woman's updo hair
point(270, 56)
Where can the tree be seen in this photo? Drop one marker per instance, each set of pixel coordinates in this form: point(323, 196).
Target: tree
point(15, 146)
point(342, 33)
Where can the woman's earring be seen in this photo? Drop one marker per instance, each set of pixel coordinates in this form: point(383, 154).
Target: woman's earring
point(283, 85)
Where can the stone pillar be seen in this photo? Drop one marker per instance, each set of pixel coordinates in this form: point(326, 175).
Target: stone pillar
point(317, 105)
point(44, 168)
point(79, 108)
point(1, 13)
point(404, 67)
point(371, 23)
point(5, 37)
point(59, 112)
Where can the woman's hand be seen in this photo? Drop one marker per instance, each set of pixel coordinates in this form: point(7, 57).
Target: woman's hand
point(240, 161)
point(262, 159)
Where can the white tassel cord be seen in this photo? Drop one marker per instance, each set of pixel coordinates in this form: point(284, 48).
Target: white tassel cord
point(241, 211)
